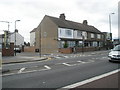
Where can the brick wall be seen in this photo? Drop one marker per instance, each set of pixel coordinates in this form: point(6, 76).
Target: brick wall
point(8, 52)
point(65, 50)
point(78, 49)
point(29, 49)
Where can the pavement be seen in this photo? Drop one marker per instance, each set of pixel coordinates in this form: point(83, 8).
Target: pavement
point(31, 56)
point(106, 81)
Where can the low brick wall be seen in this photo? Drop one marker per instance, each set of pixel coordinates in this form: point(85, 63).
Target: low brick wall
point(29, 49)
point(78, 49)
point(65, 50)
point(8, 52)
point(85, 49)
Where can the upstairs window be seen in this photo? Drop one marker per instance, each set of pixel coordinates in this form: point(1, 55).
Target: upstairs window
point(68, 32)
point(92, 35)
point(98, 36)
point(79, 33)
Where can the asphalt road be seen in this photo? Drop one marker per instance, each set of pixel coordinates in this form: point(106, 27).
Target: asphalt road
point(56, 73)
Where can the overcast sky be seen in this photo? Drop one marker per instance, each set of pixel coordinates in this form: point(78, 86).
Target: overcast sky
point(31, 12)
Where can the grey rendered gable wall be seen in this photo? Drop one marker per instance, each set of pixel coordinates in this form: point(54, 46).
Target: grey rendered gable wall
point(49, 34)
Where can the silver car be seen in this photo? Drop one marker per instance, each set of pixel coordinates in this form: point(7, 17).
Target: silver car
point(115, 54)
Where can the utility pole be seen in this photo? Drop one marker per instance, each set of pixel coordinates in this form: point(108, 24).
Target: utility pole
point(15, 35)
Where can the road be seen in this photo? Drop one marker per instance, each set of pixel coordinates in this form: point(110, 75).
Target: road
point(57, 73)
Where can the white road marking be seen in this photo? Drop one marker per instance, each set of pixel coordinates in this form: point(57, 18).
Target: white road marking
point(43, 82)
point(104, 57)
point(8, 74)
point(67, 64)
point(81, 62)
point(90, 80)
point(66, 57)
point(23, 63)
point(91, 60)
point(89, 55)
point(47, 67)
point(22, 69)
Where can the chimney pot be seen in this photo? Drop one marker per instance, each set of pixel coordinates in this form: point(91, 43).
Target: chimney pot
point(16, 30)
point(85, 22)
point(62, 16)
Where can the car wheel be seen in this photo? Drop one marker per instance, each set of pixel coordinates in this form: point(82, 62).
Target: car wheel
point(110, 61)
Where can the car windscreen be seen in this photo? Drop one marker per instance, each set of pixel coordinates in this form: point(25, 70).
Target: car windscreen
point(117, 48)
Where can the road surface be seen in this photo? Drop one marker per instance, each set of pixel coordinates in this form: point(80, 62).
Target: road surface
point(57, 73)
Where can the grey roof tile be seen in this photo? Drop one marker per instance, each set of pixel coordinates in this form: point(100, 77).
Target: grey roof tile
point(73, 25)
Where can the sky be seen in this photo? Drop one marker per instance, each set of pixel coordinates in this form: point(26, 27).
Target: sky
point(31, 12)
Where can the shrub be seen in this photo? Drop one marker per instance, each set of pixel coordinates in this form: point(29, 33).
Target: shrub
point(65, 45)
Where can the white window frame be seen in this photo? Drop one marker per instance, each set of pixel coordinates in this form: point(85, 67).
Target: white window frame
point(92, 35)
point(98, 36)
point(63, 33)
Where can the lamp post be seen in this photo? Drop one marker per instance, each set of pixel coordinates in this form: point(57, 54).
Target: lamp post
point(40, 42)
point(7, 38)
point(7, 22)
point(15, 35)
point(82, 42)
point(110, 25)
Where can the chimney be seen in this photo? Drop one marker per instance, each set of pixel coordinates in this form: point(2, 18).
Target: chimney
point(62, 16)
point(85, 22)
point(16, 30)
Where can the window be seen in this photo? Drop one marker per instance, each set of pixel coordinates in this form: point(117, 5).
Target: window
point(92, 35)
point(95, 44)
point(68, 32)
point(98, 36)
point(61, 44)
point(71, 43)
point(79, 33)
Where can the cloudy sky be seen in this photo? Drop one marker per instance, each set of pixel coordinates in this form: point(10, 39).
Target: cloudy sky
point(31, 12)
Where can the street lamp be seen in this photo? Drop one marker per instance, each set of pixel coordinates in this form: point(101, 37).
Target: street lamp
point(83, 38)
point(8, 23)
point(39, 42)
point(7, 38)
point(110, 24)
point(15, 35)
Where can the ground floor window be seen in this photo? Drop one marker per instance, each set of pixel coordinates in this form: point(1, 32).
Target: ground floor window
point(61, 44)
point(80, 44)
point(95, 44)
point(71, 43)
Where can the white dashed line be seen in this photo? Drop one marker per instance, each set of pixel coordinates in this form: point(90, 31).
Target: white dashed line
point(47, 67)
point(21, 70)
point(67, 64)
point(81, 62)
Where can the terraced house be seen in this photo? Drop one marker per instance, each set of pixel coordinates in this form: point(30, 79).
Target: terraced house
point(58, 34)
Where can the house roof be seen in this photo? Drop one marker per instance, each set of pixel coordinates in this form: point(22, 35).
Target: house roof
point(73, 25)
point(33, 30)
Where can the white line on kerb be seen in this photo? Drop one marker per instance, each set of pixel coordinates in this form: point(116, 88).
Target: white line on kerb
point(22, 69)
point(90, 80)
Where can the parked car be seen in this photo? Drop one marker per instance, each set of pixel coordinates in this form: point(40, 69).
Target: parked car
point(115, 54)
point(17, 50)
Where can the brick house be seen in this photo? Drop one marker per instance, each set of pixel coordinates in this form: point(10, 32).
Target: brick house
point(53, 33)
point(7, 41)
point(32, 37)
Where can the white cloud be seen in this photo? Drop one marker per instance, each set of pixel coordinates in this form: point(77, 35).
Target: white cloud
point(31, 12)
